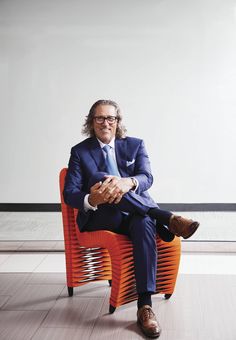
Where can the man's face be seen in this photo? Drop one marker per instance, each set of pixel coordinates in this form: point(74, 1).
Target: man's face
point(105, 131)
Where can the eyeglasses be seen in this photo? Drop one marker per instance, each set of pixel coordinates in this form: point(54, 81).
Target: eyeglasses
point(101, 119)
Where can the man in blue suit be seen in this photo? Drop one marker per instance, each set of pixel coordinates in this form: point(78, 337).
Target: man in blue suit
point(107, 180)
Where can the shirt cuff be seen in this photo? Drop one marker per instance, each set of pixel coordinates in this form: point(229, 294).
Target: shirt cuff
point(88, 206)
point(136, 183)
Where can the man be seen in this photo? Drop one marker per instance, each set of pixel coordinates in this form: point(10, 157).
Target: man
point(107, 180)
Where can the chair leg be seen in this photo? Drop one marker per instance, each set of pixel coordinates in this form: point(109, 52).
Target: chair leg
point(110, 282)
point(167, 296)
point(111, 309)
point(70, 291)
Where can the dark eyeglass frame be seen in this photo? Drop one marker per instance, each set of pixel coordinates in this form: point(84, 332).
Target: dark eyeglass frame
point(101, 119)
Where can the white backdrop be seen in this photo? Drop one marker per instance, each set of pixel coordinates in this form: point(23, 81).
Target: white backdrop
point(169, 64)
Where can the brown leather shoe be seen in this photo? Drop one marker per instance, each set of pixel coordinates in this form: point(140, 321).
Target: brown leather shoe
point(148, 322)
point(181, 226)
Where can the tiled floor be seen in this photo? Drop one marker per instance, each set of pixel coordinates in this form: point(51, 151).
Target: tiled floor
point(34, 303)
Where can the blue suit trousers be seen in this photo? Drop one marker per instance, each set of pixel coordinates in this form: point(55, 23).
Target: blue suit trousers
point(129, 218)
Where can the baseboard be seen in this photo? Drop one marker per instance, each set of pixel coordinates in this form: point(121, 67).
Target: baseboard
point(30, 207)
point(54, 207)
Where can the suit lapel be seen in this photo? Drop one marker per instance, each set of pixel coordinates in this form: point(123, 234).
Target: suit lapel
point(121, 155)
point(97, 154)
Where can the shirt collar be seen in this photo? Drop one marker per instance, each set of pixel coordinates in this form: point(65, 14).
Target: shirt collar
point(112, 143)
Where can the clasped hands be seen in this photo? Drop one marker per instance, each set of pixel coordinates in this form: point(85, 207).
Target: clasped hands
point(110, 191)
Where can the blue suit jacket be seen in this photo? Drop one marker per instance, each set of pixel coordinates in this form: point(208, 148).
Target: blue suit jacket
point(87, 159)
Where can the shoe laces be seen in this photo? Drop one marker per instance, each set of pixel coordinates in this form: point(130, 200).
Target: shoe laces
point(147, 314)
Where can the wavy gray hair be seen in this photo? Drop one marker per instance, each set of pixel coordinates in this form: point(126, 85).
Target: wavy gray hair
point(88, 125)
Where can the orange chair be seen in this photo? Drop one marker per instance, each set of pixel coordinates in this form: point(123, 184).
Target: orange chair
point(104, 255)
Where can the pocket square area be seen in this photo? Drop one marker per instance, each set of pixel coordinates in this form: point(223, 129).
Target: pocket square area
point(128, 163)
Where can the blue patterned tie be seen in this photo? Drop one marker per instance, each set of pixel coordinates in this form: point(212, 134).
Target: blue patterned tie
point(111, 166)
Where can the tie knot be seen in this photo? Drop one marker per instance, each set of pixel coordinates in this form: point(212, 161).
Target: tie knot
point(107, 148)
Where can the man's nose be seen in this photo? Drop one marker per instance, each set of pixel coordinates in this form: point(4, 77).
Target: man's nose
point(105, 123)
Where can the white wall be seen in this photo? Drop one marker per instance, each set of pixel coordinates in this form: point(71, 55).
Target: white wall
point(169, 64)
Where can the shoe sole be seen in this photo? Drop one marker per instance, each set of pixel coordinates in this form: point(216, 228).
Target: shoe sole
point(193, 231)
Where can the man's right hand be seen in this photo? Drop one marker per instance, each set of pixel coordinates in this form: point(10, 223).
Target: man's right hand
point(95, 198)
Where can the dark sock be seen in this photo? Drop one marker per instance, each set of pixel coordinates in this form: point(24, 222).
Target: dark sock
point(162, 216)
point(144, 299)
point(164, 233)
